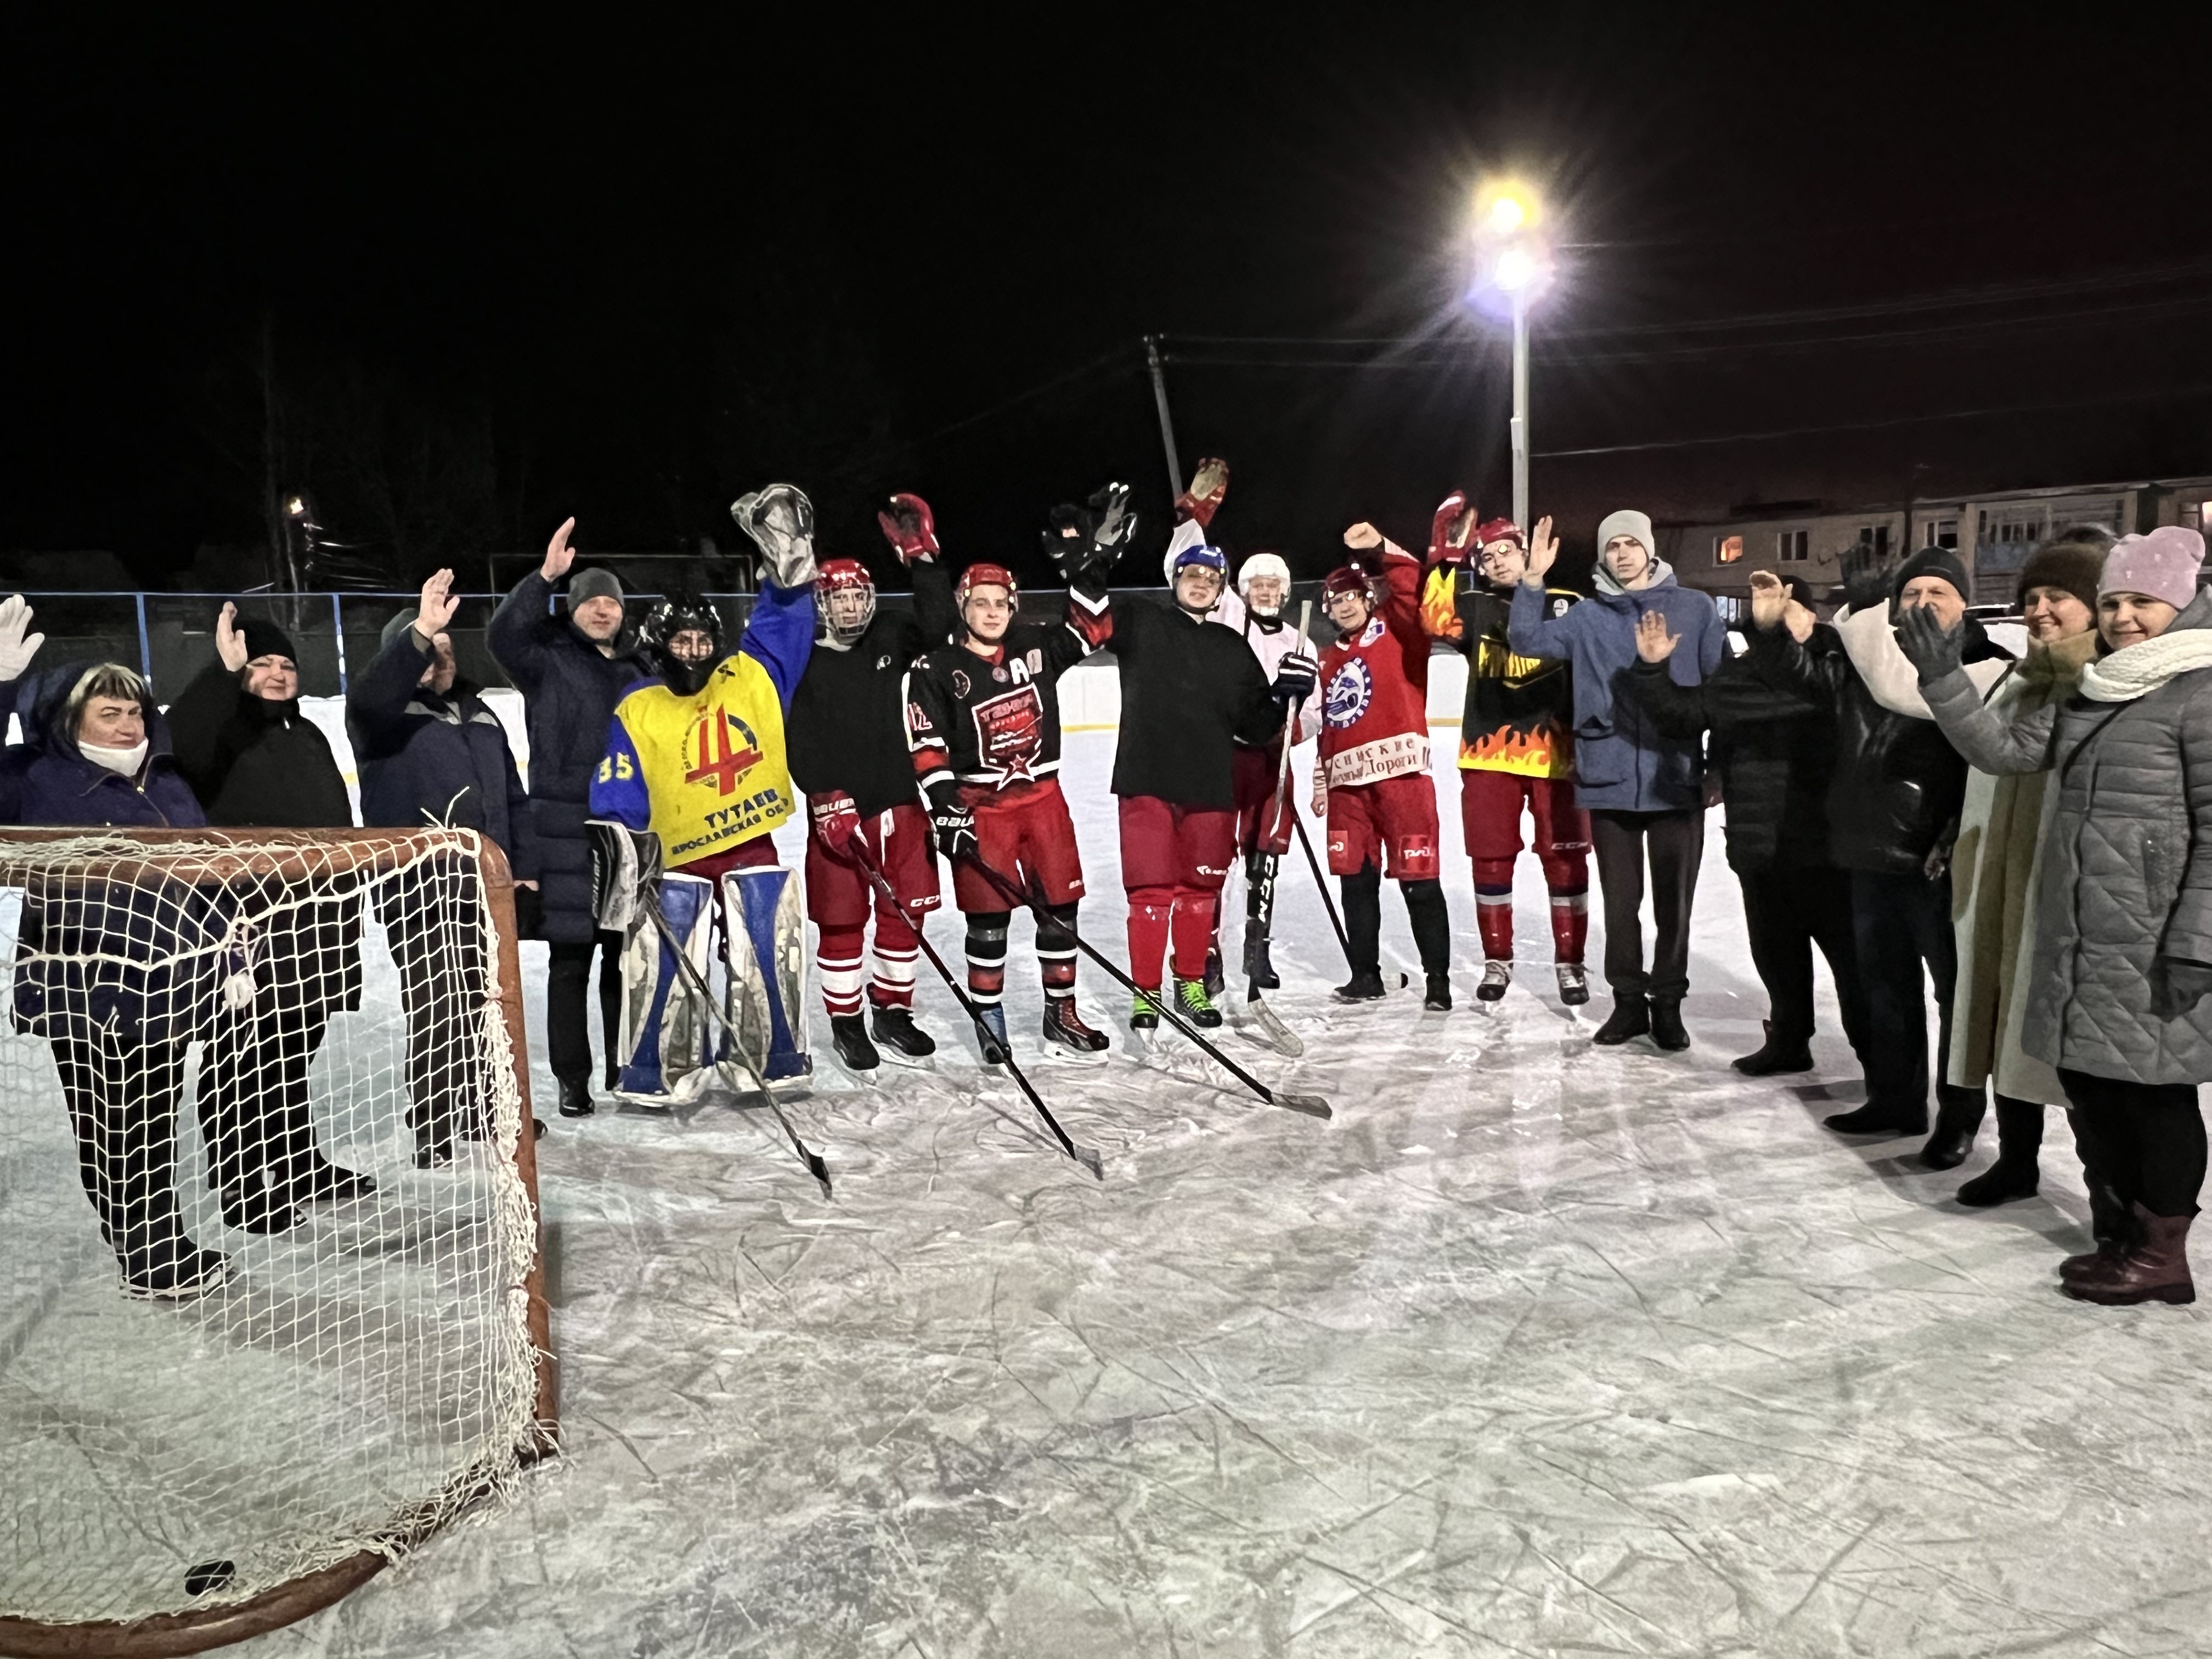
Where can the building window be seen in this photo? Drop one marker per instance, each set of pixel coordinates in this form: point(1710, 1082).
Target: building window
point(1878, 536)
point(1942, 533)
point(2204, 516)
point(1733, 611)
point(1791, 545)
point(1726, 550)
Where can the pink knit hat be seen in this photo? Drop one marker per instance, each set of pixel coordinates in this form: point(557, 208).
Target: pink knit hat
point(2163, 565)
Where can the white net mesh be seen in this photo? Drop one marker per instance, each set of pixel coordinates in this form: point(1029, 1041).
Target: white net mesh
point(225, 1362)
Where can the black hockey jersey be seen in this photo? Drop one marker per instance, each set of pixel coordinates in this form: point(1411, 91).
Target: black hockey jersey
point(992, 721)
point(847, 729)
point(1191, 690)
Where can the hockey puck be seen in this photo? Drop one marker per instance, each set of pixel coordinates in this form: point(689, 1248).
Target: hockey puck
point(209, 1576)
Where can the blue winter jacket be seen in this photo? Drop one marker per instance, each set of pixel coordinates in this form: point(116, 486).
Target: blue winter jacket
point(431, 759)
point(99, 961)
point(1622, 761)
point(570, 690)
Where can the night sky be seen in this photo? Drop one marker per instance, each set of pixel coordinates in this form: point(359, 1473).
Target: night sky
point(500, 272)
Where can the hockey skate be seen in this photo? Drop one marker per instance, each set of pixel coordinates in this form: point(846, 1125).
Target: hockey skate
point(1438, 998)
point(1143, 1014)
point(899, 1040)
point(1195, 1004)
point(1497, 976)
point(1574, 984)
point(849, 1038)
point(1000, 1047)
point(1066, 1034)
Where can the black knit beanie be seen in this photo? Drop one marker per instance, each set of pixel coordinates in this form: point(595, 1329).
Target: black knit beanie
point(1940, 562)
point(593, 583)
point(265, 639)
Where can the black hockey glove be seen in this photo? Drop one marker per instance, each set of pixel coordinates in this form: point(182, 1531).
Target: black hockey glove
point(1930, 646)
point(955, 825)
point(1066, 538)
point(1865, 574)
point(1115, 524)
point(1294, 678)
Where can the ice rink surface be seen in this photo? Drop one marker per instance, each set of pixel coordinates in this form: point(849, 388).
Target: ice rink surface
point(1534, 1349)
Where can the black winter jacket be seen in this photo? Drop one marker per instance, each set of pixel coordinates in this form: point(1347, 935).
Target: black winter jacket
point(432, 759)
point(1774, 748)
point(253, 763)
point(569, 688)
point(1898, 784)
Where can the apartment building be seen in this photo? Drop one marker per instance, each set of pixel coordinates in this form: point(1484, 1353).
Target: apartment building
point(1993, 534)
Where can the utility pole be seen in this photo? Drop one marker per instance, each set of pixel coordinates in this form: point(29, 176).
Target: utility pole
point(1167, 423)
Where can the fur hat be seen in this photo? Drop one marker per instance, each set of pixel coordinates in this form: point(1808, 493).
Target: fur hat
point(1941, 562)
point(593, 583)
point(2072, 559)
point(265, 639)
point(2163, 564)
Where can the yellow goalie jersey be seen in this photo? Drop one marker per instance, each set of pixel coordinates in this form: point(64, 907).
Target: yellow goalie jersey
point(706, 773)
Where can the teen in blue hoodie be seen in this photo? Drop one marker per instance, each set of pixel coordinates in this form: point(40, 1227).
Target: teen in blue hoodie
point(1644, 791)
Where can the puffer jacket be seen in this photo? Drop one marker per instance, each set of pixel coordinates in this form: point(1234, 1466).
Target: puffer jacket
point(1774, 748)
point(1898, 783)
point(570, 690)
point(129, 962)
point(2127, 865)
point(1623, 762)
point(255, 764)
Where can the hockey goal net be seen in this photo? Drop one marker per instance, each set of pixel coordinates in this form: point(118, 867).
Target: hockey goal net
point(271, 1308)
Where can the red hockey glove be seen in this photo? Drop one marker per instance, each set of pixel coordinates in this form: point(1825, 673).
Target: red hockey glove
point(909, 527)
point(1203, 499)
point(1451, 532)
point(836, 820)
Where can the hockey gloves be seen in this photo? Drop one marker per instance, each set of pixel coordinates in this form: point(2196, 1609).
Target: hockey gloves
point(17, 647)
point(1085, 541)
point(836, 820)
point(910, 528)
point(954, 822)
point(1203, 499)
point(1451, 530)
point(1294, 678)
point(780, 520)
point(625, 862)
point(1930, 646)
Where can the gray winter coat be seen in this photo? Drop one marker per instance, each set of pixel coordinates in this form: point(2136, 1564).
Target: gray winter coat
point(2127, 864)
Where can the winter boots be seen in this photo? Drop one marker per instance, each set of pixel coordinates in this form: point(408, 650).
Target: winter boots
point(1365, 985)
point(577, 1098)
point(1958, 1118)
point(2155, 1268)
point(1667, 1029)
point(1630, 1017)
point(2015, 1175)
point(1880, 1118)
point(1437, 999)
point(1775, 1056)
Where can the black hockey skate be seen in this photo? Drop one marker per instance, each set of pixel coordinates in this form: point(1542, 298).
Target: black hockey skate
point(899, 1039)
point(848, 1036)
point(1438, 997)
point(172, 1270)
point(1143, 1014)
point(1497, 980)
point(1195, 1004)
point(1365, 985)
point(1067, 1035)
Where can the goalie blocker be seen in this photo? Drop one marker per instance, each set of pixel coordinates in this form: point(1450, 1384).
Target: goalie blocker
point(672, 1046)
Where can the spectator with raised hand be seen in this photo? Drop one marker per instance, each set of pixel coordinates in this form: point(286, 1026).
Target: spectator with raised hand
point(2120, 997)
point(572, 668)
point(1643, 790)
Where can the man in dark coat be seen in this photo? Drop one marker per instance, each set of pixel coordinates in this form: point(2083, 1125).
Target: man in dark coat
point(1893, 815)
point(431, 752)
point(571, 672)
point(1775, 750)
point(118, 978)
point(255, 761)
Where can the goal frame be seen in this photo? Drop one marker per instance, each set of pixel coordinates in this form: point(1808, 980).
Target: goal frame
point(263, 852)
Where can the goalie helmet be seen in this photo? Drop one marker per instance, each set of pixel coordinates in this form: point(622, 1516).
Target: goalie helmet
point(657, 636)
point(844, 576)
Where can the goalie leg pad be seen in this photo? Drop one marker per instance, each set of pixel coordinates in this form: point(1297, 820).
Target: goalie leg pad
point(765, 933)
point(664, 1031)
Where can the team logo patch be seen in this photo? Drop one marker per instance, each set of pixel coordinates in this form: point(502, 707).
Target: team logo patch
point(1373, 631)
point(959, 682)
point(1351, 689)
point(883, 662)
point(1009, 733)
point(998, 672)
point(1560, 606)
point(715, 759)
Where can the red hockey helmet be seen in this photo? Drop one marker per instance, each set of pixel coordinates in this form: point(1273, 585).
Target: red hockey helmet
point(986, 575)
point(1346, 579)
point(844, 576)
point(1499, 530)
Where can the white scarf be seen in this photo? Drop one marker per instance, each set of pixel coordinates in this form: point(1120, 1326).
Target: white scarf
point(2134, 670)
point(123, 761)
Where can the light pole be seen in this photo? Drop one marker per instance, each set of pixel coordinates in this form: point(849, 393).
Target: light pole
point(1512, 268)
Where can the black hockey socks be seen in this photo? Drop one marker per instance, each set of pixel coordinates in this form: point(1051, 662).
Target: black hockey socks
point(1055, 949)
point(1363, 919)
point(986, 955)
point(1432, 924)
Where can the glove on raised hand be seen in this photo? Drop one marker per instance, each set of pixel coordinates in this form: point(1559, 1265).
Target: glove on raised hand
point(1207, 488)
point(1930, 648)
point(1451, 530)
point(780, 520)
point(17, 645)
point(1115, 523)
point(910, 528)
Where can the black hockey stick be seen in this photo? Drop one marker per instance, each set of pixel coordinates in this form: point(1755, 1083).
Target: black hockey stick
point(1312, 1105)
point(697, 984)
point(1083, 1155)
point(1321, 882)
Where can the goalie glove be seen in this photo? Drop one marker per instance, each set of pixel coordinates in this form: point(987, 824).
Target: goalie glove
point(17, 647)
point(836, 820)
point(781, 520)
point(954, 822)
point(624, 862)
point(910, 528)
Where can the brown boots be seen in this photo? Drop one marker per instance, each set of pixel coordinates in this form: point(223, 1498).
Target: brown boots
point(2146, 1260)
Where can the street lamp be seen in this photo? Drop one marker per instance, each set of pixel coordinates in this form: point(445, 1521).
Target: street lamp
point(1512, 265)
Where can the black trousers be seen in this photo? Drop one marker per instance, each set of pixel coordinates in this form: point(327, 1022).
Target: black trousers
point(567, 1031)
point(429, 914)
point(1788, 910)
point(2144, 1140)
point(1674, 845)
point(122, 1096)
point(1903, 922)
point(252, 1101)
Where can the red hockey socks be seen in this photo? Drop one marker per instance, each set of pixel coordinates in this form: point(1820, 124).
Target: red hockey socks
point(1493, 907)
point(1569, 924)
point(839, 959)
point(1149, 909)
point(891, 985)
point(1194, 932)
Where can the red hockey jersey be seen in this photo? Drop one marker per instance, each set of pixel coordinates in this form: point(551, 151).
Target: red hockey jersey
point(1375, 686)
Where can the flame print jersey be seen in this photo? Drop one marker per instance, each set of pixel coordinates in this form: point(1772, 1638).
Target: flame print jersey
point(1519, 716)
point(709, 772)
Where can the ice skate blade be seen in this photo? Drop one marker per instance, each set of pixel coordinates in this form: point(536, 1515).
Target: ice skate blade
point(1061, 1054)
point(907, 1062)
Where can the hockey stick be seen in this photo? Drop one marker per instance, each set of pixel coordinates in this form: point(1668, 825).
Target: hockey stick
point(1082, 1155)
point(1281, 800)
point(1320, 881)
point(1312, 1105)
point(697, 984)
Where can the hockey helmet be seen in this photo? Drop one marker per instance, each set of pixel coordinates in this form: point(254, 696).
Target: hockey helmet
point(1347, 579)
point(844, 576)
point(656, 637)
point(986, 575)
point(1499, 530)
point(1205, 556)
point(1259, 566)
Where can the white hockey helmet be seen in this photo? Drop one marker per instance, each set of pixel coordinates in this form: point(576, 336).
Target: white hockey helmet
point(1262, 564)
